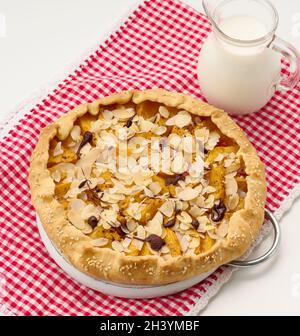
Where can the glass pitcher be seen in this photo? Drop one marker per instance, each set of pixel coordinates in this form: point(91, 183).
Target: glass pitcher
point(240, 62)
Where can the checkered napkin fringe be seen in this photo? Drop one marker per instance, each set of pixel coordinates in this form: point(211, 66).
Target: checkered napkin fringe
point(157, 46)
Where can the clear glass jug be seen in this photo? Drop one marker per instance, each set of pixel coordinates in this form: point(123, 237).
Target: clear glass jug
point(240, 62)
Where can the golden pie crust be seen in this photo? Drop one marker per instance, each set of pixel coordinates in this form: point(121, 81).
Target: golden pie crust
point(108, 264)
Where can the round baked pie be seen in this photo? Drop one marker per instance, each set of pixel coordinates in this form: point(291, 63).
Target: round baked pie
point(147, 187)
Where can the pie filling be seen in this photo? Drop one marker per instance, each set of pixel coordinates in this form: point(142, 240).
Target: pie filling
point(148, 179)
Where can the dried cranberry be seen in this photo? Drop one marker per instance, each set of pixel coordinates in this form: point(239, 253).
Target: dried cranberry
point(93, 221)
point(195, 224)
point(170, 223)
point(218, 211)
point(155, 242)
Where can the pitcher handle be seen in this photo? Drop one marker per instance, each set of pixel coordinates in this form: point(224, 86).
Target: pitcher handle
point(289, 52)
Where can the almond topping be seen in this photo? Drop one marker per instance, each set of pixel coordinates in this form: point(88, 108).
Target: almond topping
point(183, 118)
point(167, 208)
point(124, 114)
point(99, 242)
point(159, 130)
point(75, 133)
point(58, 150)
point(155, 187)
point(117, 246)
point(231, 186)
point(164, 112)
point(188, 194)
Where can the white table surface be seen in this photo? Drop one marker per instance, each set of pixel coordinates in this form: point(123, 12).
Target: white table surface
point(43, 36)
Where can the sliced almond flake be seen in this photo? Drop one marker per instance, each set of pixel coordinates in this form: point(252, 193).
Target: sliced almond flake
point(107, 114)
point(117, 246)
point(137, 243)
point(166, 171)
point(199, 188)
point(58, 150)
point(182, 184)
point(194, 243)
point(184, 244)
point(195, 211)
point(99, 242)
point(184, 217)
point(188, 145)
point(171, 121)
point(203, 223)
point(126, 242)
point(77, 205)
point(212, 141)
point(145, 125)
point(93, 183)
point(208, 190)
point(85, 149)
point(99, 124)
point(108, 216)
point(183, 118)
point(200, 201)
point(178, 204)
point(75, 219)
point(231, 186)
point(188, 194)
point(185, 206)
point(89, 159)
point(137, 145)
point(159, 130)
point(213, 235)
point(195, 171)
point(75, 133)
point(164, 112)
point(174, 140)
point(190, 252)
point(56, 176)
point(202, 134)
point(184, 226)
point(179, 165)
point(154, 226)
point(123, 114)
point(233, 168)
point(209, 202)
point(87, 229)
point(140, 232)
point(68, 168)
point(134, 210)
point(148, 192)
point(232, 201)
point(131, 225)
point(167, 208)
point(187, 237)
point(222, 230)
point(155, 187)
point(116, 197)
point(106, 225)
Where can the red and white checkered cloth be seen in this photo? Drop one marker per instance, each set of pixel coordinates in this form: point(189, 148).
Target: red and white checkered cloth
point(158, 46)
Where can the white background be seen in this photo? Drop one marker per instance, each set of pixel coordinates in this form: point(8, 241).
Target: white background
point(43, 36)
